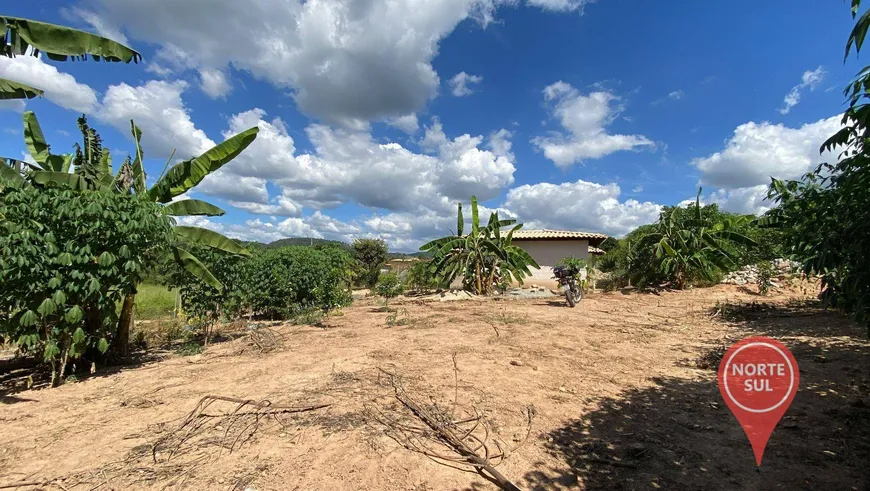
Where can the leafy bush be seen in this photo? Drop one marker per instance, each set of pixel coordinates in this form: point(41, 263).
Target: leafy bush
point(389, 286)
point(277, 283)
point(66, 259)
point(421, 277)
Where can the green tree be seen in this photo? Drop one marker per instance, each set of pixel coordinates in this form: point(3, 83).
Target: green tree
point(23, 37)
point(484, 258)
point(825, 213)
point(370, 254)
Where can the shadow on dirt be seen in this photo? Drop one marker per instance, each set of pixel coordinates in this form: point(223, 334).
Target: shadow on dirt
point(679, 435)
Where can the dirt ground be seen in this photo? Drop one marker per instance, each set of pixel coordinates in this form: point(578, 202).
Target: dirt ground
point(621, 393)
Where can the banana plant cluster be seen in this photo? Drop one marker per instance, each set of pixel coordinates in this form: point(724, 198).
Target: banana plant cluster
point(484, 258)
point(697, 246)
point(23, 37)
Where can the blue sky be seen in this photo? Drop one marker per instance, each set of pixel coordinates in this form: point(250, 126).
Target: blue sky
point(376, 117)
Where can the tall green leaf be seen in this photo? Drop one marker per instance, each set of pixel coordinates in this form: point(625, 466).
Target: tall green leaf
point(189, 173)
point(460, 222)
point(210, 238)
point(138, 166)
point(39, 149)
point(475, 219)
point(192, 207)
point(193, 266)
point(16, 90)
point(60, 43)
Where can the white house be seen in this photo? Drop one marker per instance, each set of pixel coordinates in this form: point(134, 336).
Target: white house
point(547, 247)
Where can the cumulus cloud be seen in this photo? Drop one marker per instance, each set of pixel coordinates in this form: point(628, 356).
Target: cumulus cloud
point(159, 111)
point(343, 60)
point(585, 119)
point(579, 205)
point(407, 123)
point(215, 83)
point(459, 84)
point(60, 88)
point(809, 80)
point(758, 151)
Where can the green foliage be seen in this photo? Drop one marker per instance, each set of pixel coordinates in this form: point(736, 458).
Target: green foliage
point(421, 277)
point(58, 43)
point(370, 255)
point(764, 276)
point(67, 259)
point(825, 214)
point(389, 286)
point(689, 245)
point(274, 283)
point(485, 258)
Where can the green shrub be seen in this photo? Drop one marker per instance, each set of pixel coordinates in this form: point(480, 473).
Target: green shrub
point(154, 301)
point(67, 258)
point(421, 277)
point(279, 283)
point(764, 277)
point(389, 286)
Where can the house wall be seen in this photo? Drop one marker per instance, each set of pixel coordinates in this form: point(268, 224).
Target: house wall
point(547, 253)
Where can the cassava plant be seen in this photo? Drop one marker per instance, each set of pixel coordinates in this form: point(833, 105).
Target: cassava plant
point(90, 169)
point(389, 286)
point(67, 258)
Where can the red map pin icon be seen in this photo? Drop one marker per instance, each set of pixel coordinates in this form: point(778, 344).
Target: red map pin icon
point(758, 378)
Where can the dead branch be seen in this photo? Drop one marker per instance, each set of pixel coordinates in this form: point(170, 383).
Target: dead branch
point(463, 444)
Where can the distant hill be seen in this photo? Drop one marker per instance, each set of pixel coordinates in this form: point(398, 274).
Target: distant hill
point(310, 241)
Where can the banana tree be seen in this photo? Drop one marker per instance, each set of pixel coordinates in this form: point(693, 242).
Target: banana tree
point(90, 168)
point(695, 245)
point(484, 257)
point(58, 43)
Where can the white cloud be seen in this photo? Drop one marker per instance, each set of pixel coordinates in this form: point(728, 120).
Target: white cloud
point(579, 205)
point(60, 88)
point(351, 166)
point(749, 200)
point(407, 123)
point(758, 151)
point(99, 26)
point(158, 110)
point(15, 105)
point(676, 95)
point(585, 117)
point(215, 83)
point(809, 80)
point(344, 60)
point(459, 83)
point(560, 5)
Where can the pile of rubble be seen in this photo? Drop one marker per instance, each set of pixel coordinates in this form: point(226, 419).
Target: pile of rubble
point(749, 274)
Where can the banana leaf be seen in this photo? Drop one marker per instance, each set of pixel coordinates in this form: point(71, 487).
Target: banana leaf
point(193, 266)
point(210, 238)
point(73, 181)
point(16, 90)
point(138, 167)
point(189, 173)
point(39, 149)
point(10, 174)
point(60, 43)
point(192, 207)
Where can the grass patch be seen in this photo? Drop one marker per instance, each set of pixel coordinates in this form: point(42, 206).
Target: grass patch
point(154, 302)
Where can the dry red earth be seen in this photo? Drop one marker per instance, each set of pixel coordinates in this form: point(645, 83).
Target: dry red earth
point(618, 397)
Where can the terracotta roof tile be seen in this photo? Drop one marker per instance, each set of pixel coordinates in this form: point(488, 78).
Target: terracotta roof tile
point(546, 234)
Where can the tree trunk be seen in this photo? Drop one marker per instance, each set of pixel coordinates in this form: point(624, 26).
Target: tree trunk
point(125, 324)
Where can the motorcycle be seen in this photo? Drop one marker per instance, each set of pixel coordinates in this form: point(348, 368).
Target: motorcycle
point(569, 283)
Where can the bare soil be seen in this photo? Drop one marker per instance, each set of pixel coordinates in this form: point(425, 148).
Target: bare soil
point(622, 393)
